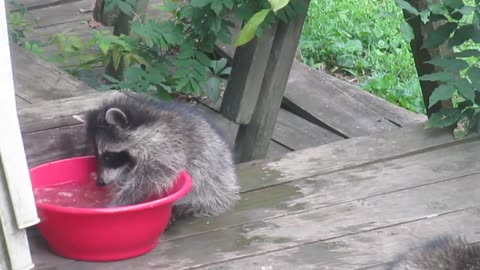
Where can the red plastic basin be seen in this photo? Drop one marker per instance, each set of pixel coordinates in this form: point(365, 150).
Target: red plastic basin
point(101, 234)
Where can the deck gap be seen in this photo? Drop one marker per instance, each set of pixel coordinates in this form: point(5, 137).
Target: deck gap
point(290, 106)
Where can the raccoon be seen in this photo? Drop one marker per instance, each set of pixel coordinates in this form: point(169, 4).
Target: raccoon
point(142, 143)
point(442, 253)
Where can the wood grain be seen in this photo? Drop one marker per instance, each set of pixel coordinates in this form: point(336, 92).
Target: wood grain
point(245, 81)
point(253, 138)
point(336, 204)
point(339, 187)
point(37, 80)
point(280, 233)
point(371, 250)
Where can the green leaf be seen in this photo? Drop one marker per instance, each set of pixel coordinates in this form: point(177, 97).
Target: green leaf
point(127, 59)
point(461, 35)
point(439, 35)
point(125, 8)
point(203, 58)
point(226, 71)
point(219, 65)
point(406, 6)
point(468, 53)
point(474, 76)
point(117, 56)
point(212, 88)
point(436, 8)
point(439, 76)
point(278, 4)
point(445, 118)
point(454, 3)
point(407, 31)
point(450, 64)
point(228, 3)
point(425, 15)
point(247, 33)
point(140, 59)
point(199, 3)
point(463, 128)
point(466, 10)
point(443, 92)
point(76, 42)
point(466, 89)
point(134, 73)
point(217, 6)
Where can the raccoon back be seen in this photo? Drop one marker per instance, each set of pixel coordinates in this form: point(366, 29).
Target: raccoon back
point(442, 253)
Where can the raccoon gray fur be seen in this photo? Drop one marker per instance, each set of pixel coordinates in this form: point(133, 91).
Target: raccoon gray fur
point(142, 143)
point(442, 253)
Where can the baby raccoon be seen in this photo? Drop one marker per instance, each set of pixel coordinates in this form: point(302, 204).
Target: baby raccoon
point(141, 144)
point(443, 253)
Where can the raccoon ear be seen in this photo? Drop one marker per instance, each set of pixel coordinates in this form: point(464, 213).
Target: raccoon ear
point(116, 117)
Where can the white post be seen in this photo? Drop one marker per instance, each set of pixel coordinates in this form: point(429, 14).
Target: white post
point(17, 205)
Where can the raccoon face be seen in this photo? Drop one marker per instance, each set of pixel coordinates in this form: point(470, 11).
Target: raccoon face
point(109, 131)
point(113, 166)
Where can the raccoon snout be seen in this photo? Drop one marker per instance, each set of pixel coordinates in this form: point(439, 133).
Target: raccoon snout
point(100, 182)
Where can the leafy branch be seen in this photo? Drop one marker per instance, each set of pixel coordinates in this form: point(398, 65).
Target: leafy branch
point(459, 73)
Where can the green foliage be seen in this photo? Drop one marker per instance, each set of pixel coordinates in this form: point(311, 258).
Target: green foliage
point(19, 27)
point(459, 73)
point(175, 56)
point(283, 9)
point(362, 40)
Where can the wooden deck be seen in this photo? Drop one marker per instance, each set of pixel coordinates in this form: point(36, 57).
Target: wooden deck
point(352, 204)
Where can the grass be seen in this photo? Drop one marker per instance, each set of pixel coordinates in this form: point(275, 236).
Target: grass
point(361, 39)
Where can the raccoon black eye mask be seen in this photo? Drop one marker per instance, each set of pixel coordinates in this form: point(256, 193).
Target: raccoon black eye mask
point(115, 159)
point(142, 144)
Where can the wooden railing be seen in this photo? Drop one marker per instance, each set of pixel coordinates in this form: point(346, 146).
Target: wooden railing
point(17, 206)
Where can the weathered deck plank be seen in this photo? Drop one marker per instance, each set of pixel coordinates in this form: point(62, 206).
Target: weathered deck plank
point(370, 250)
point(334, 204)
point(50, 128)
point(275, 234)
point(37, 80)
point(340, 187)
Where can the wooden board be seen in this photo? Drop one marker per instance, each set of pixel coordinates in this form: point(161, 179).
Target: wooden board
point(20, 102)
point(37, 80)
point(336, 100)
point(361, 212)
point(51, 130)
point(334, 188)
point(370, 250)
point(254, 137)
point(68, 11)
point(325, 101)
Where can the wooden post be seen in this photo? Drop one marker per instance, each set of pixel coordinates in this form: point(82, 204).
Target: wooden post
point(122, 25)
point(17, 204)
point(421, 56)
point(248, 69)
point(253, 139)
